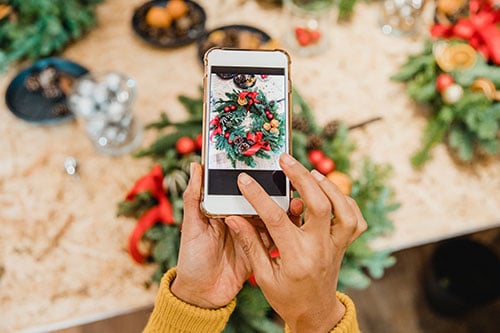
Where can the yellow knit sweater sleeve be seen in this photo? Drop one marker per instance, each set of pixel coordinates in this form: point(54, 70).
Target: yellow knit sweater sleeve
point(171, 315)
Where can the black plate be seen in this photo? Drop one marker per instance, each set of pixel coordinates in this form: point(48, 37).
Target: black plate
point(34, 106)
point(204, 44)
point(154, 36)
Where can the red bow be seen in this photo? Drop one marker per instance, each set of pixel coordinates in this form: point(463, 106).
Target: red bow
point(479, 29)
point(257, 138)
point(252, 97)
point(218, 127)
point(152, 182)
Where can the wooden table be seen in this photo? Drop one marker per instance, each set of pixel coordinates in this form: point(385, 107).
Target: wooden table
point(63, 251)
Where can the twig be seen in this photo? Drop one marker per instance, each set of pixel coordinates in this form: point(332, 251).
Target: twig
point(364, 123)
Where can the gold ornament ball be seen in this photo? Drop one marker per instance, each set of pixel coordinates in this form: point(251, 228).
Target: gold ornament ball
point(266, 126)
point(274, 123)
point(342, 181)
point(274, 130)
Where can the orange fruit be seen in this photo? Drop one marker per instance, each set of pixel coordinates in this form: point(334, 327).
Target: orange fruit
point(342, 181)
point(158, 17)
point(176, 9)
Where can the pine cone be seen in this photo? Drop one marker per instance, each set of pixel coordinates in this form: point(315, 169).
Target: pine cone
point(314, 142)
point(300, 124)
point(330, 129)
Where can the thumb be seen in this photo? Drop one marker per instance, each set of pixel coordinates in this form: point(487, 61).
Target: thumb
point(251, 243)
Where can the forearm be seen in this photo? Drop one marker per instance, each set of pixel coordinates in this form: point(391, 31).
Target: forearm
point(172, 315)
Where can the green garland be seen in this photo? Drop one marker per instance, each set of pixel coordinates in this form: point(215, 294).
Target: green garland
point(30, 29)
point(227, 130)
point(469, 123)
point(369, 189)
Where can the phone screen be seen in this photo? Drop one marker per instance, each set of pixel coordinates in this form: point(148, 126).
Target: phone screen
point(248, 124)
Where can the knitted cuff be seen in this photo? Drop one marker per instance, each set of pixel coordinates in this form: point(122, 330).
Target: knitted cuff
point(170, 314)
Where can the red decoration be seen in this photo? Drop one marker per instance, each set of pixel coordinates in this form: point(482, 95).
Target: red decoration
point(480, 29)
point(250, 96)
point(218, 127)
point(315, 156)
point(257, 138)
point(325, 166)
point(306, 37)
point(226, 109)
point(232, 107)
point(185, 145)
point(152, 182)
point(199, 141)
point(443, 81)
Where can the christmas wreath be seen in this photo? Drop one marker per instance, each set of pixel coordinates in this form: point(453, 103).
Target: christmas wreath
point(36, 28)
point(242, 141)
point(156, 201)
point(457, 74)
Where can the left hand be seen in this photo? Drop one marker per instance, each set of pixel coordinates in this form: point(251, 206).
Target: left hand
point(211, 269)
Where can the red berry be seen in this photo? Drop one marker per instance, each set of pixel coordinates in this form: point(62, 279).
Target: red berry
point(226, 109)
point(199, 141)
point(314, 35)
point(443, 81)
point(325, 166)
point(185, 145)
point(226, 135)
point(302, 36)
point(230, 141)
point(315, 156)
point(232, 107)
point(269, 116)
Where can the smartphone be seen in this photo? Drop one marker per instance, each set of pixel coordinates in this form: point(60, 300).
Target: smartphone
point(246, 127)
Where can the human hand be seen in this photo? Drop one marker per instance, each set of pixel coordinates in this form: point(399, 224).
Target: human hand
point(211, 269)
point(301, 284)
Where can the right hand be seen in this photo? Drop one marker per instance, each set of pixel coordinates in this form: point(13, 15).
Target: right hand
point(301, 284)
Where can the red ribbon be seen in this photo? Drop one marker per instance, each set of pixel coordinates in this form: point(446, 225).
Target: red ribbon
point(259, 144)
point(252, 97)
point(479, 29)
point(152, 182)
point(218, 127)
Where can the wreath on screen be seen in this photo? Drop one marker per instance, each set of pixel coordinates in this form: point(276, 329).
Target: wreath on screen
point(247, 125)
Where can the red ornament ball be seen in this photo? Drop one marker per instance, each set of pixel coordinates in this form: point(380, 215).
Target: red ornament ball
point(269, 116)
point(226, 135)
point(185, 145)
point(199, 141)
point(232, 107)
point(443, 81)
point(230, 141)
point(315, 156)
point(226, 109)
point(325, 166)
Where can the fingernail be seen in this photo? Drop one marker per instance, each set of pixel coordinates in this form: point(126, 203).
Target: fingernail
point(191, 168)
point(233, 225)
point(317, 175)
point(287, 159)
point(244, 178)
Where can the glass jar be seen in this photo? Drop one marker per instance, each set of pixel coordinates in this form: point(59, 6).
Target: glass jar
point(103, 103)
point(308, 25)
point(400, 17)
